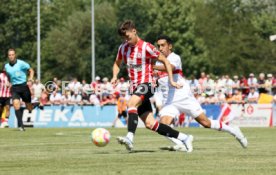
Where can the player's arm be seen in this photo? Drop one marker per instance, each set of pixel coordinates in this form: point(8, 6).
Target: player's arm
point(168, 67)
point(31, 74)
point(162, 67)
point(116, 70)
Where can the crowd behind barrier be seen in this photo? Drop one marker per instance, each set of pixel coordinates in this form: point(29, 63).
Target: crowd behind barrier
point(207, 90)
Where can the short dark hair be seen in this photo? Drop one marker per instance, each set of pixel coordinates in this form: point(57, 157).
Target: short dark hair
point(165, 37)
point(125, 26)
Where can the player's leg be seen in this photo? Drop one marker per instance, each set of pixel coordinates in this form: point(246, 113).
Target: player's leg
point(133, 104)
point(191, 107)
point(168, 120)
point(220, 126)
point(160, 128)
point(167, 115)
point(132, 123)
point(18, 113)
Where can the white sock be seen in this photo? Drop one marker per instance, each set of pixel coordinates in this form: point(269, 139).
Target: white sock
point(220, 126)
point(130, 136)
point(182, 136)
point(175, 141)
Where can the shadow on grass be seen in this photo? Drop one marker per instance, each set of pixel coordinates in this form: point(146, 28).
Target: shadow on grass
point(142, 151)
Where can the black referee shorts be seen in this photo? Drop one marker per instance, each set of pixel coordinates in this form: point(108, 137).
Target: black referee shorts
point(21, 91)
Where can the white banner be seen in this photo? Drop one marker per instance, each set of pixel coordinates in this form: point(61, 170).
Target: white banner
point(252, 115)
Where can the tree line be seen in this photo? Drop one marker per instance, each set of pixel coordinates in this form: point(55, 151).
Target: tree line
point(215, 36)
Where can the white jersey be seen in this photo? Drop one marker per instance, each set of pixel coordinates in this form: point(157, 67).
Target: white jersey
point(177, 101)
point(171, 94)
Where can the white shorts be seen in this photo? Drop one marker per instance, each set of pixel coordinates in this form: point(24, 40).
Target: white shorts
point(158, 97)
point(188, 105)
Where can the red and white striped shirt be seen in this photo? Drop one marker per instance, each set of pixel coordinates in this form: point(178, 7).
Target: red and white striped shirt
point(138, 59)
point(4, 89)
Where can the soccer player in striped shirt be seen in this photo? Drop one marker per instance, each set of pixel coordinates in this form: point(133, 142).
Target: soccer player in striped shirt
point(139, 56)
point(5, 96)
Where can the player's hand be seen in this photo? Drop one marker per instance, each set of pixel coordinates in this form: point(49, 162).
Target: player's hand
point(176, 85)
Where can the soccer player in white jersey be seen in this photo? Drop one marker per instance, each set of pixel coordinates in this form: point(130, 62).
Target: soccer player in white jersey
point(177, 101)
point(139, 55)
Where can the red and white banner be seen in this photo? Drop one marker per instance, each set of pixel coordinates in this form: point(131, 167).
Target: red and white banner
point(247, 115)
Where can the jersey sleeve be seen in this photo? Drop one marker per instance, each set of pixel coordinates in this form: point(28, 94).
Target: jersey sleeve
point(175, 61)
point(25, 65)
point(151, 51)
point(120, 53)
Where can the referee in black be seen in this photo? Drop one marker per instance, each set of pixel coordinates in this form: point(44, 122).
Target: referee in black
point(17, 71)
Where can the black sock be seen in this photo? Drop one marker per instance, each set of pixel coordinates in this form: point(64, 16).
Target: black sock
point(132, 120)
point(19, 115)
point(165, 130)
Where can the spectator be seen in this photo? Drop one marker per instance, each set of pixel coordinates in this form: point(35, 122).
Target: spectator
point(44, 98)
point(76, 99)
point(37, 89)
point(253, 96)
point(269, 83)
point(56, 85)
point(75, 86)
point(209, 83)
point(202, 79)
point(221, 97)
point(244, 85)
point(85, 86)
point(85, 96)
point(228, 84)
point(236, 82)
point(252, 81)
point(221, 83)
point(194, 83)
point(261, 83)
point(66, 98)
point(211, 98)
point(106, 87)
point(236, 98)
point(96, 85)
point(55, 98)
point(93, 99)
point(121, 83)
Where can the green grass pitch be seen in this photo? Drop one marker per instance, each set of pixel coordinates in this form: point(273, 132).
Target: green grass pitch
point(66, 151)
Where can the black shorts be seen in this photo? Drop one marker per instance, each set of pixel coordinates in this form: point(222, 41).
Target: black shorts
point(145, 91)
point(21, 92)
point(4, 101)
point(144, 107)
point(123, 114)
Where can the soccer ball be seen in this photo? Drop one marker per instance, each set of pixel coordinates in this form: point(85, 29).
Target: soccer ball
point(100, 137)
